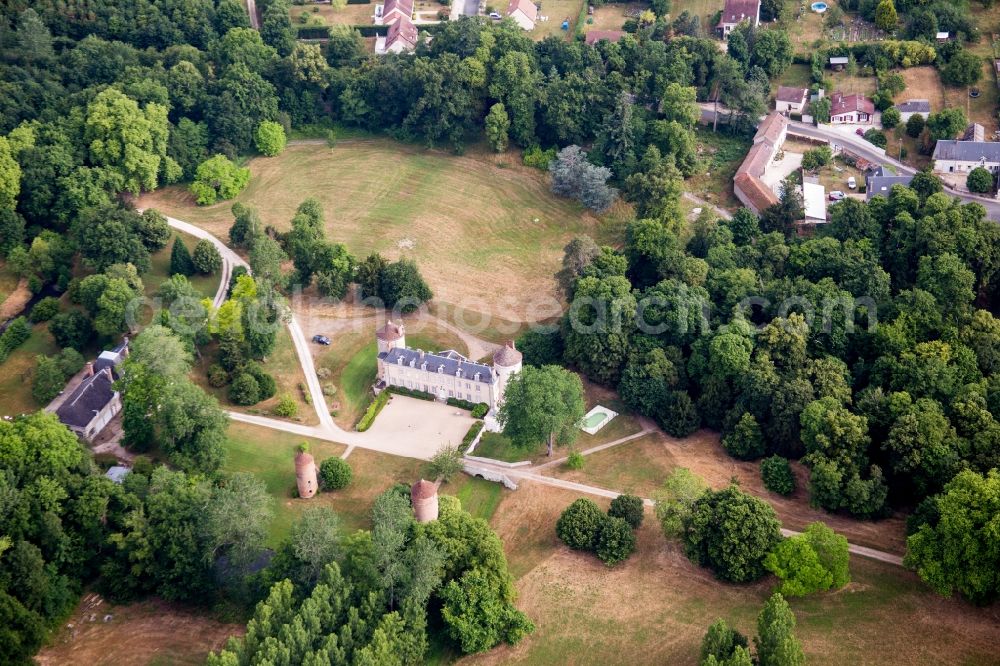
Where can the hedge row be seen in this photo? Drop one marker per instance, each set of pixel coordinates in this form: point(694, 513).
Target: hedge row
point(359, 2)
point(473, 432)
point(373, 409)
point(313, 32)
point(411, 393)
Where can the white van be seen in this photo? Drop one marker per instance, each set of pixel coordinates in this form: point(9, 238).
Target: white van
point(851, 183)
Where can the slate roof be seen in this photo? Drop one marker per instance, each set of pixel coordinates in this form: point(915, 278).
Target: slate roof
point(736, 11)
point(91, 396)
point(449, 364)
point(967, 151)
point(876, 185)
point(914, 106)
point(595, 36)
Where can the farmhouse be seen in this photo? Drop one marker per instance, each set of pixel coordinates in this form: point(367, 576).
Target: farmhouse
point(445, 374)
point(736, 12)
point(524, 13)
point(912, 107)
point(393, 10)
point(790, 99)
point(595, 36)
point(962, 156)
point(852, 108)
point(747, 185)
point(402, 36)
point(879, 182)
point(94, 402)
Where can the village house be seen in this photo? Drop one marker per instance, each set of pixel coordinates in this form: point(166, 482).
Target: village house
point(790, 100)
point(94, 402)
point(595, 36)
point(747, 184)
point(524, 13)
point(445, 374)
point(880, 182)
point(913, 107)
point(737, 11)
point(402, 36)
point(854, 108)
point(393, 10)
point(963, 156)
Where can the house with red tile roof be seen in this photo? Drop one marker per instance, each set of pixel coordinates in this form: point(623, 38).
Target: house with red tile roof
point(524, 13)
point(395, 9)
point(402, 36)
point(852, 108)
point(736, 12)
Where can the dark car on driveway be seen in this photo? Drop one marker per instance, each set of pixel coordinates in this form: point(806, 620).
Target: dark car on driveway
point(321, 339)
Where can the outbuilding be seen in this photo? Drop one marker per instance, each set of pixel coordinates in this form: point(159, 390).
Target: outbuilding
point(914, 107)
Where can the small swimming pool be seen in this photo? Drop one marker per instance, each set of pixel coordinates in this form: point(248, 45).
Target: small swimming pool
point(595, 420)
point(819, 7)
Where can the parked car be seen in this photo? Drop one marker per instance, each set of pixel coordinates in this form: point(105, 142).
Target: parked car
point(852, 183)
point(495, 16)
point(859, 132)
point(837, 195)
point(321, 340)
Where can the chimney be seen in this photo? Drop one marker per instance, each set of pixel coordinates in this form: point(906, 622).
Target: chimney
point(107, 371)
point(88, 369)
point(510, 343)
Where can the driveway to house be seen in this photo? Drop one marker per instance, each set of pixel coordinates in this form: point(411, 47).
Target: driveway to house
point(418, 428)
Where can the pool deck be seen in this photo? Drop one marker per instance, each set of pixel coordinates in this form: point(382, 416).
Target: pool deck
point(598, 410)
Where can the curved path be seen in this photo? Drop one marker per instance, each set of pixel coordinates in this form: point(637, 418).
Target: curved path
point(328, 430)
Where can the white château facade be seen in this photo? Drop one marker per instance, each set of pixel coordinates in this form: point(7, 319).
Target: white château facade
point(445, 374)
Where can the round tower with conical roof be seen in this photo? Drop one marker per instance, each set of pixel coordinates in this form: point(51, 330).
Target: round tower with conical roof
point(305, 473)
point(390, 336)
point(424, 498)
point(506, 364)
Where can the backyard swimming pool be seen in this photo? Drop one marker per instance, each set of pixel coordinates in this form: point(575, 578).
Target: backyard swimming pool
point(819, 7)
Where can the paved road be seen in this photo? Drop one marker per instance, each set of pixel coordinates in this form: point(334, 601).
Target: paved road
point(866, 150)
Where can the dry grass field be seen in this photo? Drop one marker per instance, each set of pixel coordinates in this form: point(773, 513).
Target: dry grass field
point(477, 229)
point(612, 16)
point(327, 15)
point(655, 607)
point(557, 11)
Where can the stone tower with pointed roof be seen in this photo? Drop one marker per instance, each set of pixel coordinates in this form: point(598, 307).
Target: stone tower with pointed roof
point(305, 474)
point(506, 364)
point(390, 336)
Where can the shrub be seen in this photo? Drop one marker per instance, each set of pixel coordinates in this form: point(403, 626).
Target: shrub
point(71, 329)
point(629, 508)
point(731, 533)
point(44, 310)
point(777, 475)
point(814, 158)
point(334, 474)
point(979, 180)
point(244, 390)
point(575, 460)
point(915, 125)
point(615, 541)
point(538, 158)
point(286, 407)
point(70, 361)
point(270, 138)
point(265, 383)
point(745, 442)
point(373, 409)
point(479, 410)
point(877, 138)
point(472, 434)
point(814, 561)
point(411, 393)
point(206, 258)
point(680, 418)
point(461, 404)
point(446, 463)
point(217, 376)
point(579, 525)
point(890, 117)
point(17, 332)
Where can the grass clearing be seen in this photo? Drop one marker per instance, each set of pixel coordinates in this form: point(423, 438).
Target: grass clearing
point(8, 281)
point(637, 467)
point(206, 285)
point(655, 607)
point(17, 371)
point(613, 16)
point(557, 11)
point(705, 9)
point(723, 154)
point(384, 196)
point(982, 109)
point(324, 14)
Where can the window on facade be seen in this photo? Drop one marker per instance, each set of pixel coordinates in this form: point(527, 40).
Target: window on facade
point(451, 394)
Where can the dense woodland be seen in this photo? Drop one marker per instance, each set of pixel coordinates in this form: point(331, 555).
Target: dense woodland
point(101, 100)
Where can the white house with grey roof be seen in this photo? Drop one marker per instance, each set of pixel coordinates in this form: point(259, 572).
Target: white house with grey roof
point(94, 402)
point(445, 374)
point(914, 107)
point(964, 156)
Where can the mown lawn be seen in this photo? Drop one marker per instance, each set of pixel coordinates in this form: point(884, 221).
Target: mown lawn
point(479, 226)
point(206, 285)
point(16, 373)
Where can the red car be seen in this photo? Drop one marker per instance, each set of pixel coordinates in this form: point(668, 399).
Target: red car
point(859, 132)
